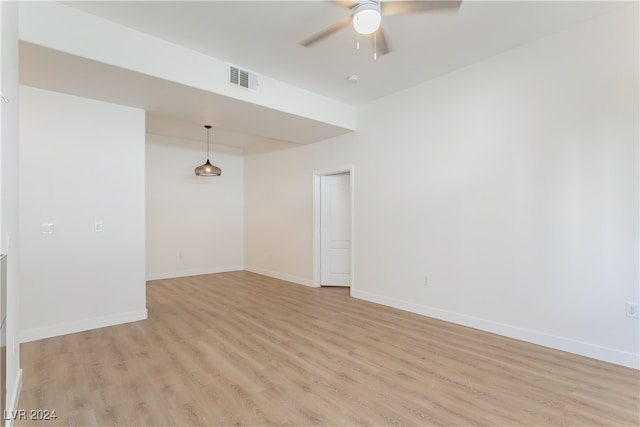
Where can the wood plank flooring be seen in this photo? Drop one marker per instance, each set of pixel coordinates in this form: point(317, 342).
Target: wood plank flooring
point(243, 349)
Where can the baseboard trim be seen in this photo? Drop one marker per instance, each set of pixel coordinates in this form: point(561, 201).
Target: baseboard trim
point(14, 399)
point(82, 325)
point(193, 272)
point(593, 351)
point(281, 276)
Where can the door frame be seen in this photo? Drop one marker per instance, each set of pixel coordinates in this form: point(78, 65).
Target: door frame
point(317, 255)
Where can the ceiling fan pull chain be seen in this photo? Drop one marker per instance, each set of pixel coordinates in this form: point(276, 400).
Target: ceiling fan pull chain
point(375, 45)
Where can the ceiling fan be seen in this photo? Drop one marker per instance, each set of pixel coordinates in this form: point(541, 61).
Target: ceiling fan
point(366, 17)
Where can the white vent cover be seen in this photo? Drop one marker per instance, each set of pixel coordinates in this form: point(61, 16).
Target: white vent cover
point(243, 78)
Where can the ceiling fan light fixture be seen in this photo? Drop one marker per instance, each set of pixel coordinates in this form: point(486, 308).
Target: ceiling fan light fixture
point(366, 17)
point(208, 169)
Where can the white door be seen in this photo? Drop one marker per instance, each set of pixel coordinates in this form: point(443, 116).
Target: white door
point(335, 230)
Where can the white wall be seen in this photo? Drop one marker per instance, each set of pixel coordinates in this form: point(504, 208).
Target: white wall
point(279, 205)
point(9, 231)
point(512, 184)
point(194, 224)
point(81, 161)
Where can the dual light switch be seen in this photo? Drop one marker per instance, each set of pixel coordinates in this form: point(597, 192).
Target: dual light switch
point(50, 227)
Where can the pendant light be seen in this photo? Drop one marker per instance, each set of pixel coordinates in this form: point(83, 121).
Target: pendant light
point(208, 169)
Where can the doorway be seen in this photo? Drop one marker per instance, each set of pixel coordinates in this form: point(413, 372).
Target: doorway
point(333, 235)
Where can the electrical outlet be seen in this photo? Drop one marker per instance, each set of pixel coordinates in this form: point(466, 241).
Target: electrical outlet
point(631, 310)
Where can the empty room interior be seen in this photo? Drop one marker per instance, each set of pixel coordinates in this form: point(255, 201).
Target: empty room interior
point(320, 213)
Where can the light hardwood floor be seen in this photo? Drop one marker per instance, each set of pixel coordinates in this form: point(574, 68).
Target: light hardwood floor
point(243, 349)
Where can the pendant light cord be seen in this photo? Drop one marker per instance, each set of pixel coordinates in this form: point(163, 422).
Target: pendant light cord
point(208, 127)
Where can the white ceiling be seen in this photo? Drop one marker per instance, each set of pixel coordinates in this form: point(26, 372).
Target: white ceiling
point(263, 36)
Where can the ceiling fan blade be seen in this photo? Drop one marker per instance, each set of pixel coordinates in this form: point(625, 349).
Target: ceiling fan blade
point(345, 4)
point(327, 32)
point(389, 8)
point(381, 46)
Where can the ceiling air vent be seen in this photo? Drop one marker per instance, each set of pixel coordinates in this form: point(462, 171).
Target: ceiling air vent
point(243, 78)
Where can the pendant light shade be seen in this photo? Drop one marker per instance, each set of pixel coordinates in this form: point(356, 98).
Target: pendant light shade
point(208, 169)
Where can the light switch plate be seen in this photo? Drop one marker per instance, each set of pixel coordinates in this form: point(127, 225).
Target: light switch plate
point(48, 228)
